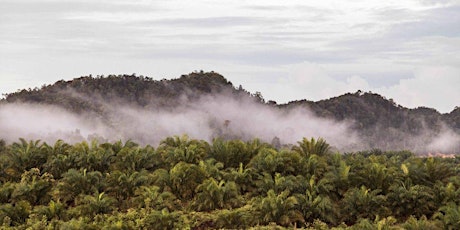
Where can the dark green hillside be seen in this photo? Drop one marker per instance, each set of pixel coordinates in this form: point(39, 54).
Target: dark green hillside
point(383, 123)
point(88, 93)
point(379, 121)
point(369, 110)
point(453, 118)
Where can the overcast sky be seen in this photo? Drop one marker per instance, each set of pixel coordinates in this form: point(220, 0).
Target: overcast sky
point(407, 50)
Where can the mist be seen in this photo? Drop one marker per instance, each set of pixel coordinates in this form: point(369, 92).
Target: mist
point(205, 118)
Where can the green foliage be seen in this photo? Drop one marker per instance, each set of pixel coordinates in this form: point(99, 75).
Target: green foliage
point(16, 213)
point(185, 178)
point(449, 215)
point(362, 203)
point(34, 187)
point(190, 184)
point(162, 220)
point(78, 182)
point(278, 208)
point(212, 195)
point(308, 147)
point(380, 121)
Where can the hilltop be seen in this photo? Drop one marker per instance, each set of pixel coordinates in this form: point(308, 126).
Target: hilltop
point(381, 121)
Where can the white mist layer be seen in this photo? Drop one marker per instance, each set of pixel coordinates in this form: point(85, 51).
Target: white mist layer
point(211, 116)
point(44, 122)
point(445, 142)
point(204, 119)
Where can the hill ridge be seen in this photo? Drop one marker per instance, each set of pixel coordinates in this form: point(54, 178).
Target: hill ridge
point(378, 119)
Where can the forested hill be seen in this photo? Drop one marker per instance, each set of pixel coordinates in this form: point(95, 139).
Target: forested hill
point(87, 93)
point(84, 93)
point(380, 120)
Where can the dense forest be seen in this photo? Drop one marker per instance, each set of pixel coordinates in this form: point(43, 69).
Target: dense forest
point(185, 183)
point(234, 179)
point(379, 122)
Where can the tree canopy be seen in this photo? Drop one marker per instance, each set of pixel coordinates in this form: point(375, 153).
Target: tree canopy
point(190, 184)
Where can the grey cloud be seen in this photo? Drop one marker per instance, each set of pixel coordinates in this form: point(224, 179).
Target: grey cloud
point(439, 22)
point(214, 22)
point(264, 7)
point(281, 36)
point(53, 7)
point(435, 2)
point(398, 42)
point(244, 54)
point(393, 14)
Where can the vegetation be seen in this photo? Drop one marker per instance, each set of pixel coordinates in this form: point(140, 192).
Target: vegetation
point(379, 121)
point(191, 184)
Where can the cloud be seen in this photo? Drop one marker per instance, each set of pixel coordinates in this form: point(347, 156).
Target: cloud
point(312, 82)
point(444, 21)
point(214, 22)
point(372, 40)
point(436, 86)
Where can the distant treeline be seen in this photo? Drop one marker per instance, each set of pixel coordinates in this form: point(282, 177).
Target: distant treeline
point(191, 184)
point(380, 121)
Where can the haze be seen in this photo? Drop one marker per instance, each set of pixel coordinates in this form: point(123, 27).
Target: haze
point(219, 115)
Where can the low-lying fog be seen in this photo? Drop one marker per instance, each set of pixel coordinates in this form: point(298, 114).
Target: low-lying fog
point(206, 118)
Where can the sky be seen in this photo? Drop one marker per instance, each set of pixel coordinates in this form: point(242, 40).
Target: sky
point(406, 50)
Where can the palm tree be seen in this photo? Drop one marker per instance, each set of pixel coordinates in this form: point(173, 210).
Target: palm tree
point(362, 203)
point(162, 179)
point(238, 218)
point(134, 158)
point(423, 223)
point(243, 177)
point(122, 185)
point(212, 168)
point(60, 147)
point(406, 199)
point(6, 190)
point(162, 220)
point(315, 204)
point(437, 170)
point(272, 161)
point(177, 149)
point(447, 193)
point(308, 147)
point(25, 155)
point(375, 176)
point(313, 165)
point(449, 215)
point(151, 197)
point(185, 178)
point(388, 223)
point(60, 161)
point(98, 203)
point(17, 212)
point(233, 152)
point(54, 210)
point(92, 156)
point(428, 171)
point(278, 208)
point(76, 182)
point(279, 183)
point(34, 187)
point(338, 176)
point(213, 194)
